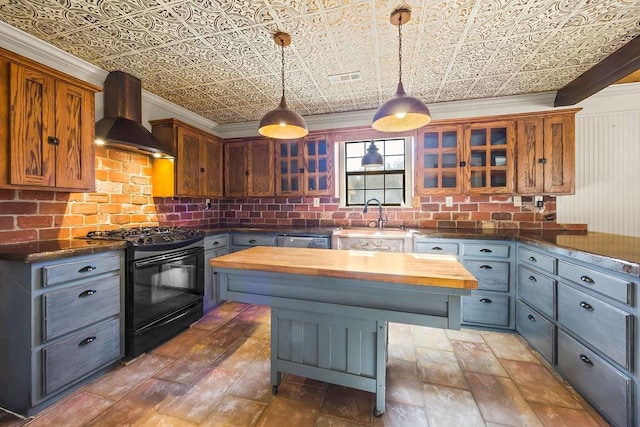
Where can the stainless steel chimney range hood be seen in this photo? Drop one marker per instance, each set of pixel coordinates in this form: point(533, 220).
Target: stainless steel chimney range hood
point(121, 126)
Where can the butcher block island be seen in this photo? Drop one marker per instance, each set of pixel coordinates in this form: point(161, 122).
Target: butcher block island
point(330, 308)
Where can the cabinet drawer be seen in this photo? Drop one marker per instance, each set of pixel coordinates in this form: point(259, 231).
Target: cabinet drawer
point(608, 388)
point(612, 287)
point(491, 275)
point(80, 354)
point(215, 242)
point(215, 253)
point(537, 330)
point(486, 250)
point(253, 240)
point(60, 273)
point(73, 308)
point(603, 325)
point(536, 289)
point(537, 259)
point(436, 248)
point(486, 308)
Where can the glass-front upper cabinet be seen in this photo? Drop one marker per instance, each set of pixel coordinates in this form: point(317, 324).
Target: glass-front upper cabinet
point(490, 156)
point(304, 167)
point(438, 160)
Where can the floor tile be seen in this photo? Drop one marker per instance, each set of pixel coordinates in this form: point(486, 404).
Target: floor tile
point(447, 407)
point(235, 412)
point(440, 367)
point(508, 346)
point(500, 401)
point(255, 383)
point(84, 406)
point(8, 419)
point(348, 403)
point(123, 379)
point(295, 405)
point(555, 416)
point(402, 368)
point(477, 357)
point(159, 420)
point(471, 335)
point(200, 398)
point(536, 384)
point(326, 421)
point(241, 354)
point(180, 344)
point(400, 414)
point(434, 338)
point(407, 353)
point(404, 389)
point(183, 370)
point(225, 336)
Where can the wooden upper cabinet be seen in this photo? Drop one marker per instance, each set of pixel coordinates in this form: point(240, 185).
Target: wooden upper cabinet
point(196, 170)
point(489, 157)
point(249, 168)
point(49, 141)
point(546, 154)
point(304, 167)
point(438, 158)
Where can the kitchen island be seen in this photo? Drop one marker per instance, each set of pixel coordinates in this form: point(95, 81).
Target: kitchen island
point(330, 308)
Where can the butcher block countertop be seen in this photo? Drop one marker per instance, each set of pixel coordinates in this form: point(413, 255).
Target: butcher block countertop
point(404, 268)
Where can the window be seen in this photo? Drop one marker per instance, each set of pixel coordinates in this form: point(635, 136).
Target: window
point(390, 183)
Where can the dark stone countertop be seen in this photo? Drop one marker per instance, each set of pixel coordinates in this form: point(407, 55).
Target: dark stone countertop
point(620, 253)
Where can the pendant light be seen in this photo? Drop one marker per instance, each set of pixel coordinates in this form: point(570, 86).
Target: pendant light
point(283, 123)
point(402, 112)
point(373, 159)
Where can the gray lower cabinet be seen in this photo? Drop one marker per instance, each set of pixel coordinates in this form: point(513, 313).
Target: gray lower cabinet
point(582, 318)
point(491, 262)
point(61, 321)
point(214, 246)
point(246, 240)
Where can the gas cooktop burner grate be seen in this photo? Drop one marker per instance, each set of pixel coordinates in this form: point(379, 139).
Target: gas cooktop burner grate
point(147, 236)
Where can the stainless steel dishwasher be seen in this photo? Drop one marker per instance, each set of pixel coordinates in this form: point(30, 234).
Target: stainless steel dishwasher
point(303, 241)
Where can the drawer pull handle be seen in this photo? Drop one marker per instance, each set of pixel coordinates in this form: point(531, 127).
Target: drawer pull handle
point(252, 241)
point(486, 251)
point(87, 268)
point(87, 293)
point(586, 306)
point(486, 301)
point(216, 243)
point(533, 259)
point(486, 267)
point(530, 317)
point(586, 360)
point(86, 341)
point(587, 279)
point(436, 248)
point(533, 279)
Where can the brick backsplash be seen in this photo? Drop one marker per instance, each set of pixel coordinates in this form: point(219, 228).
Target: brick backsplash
point(484, 212)
point(123, 198)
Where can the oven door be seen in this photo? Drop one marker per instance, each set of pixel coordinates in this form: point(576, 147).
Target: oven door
point(163, 286)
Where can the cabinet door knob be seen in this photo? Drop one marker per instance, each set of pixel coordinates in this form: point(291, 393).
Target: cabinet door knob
point(587, 279)
point(486, 301)
point(586, 360)
point(463, 164)
point(87, 293)
point(542, 160)
point(246, 173)
point(533, 279)
point(86, 341)
point(252, 241)
point(87, 268)
point(586, 306)
point(486, 267)
point(202, 170)
point(533, 259)
point(53, 140)
point(530, 317)
point(436, 248)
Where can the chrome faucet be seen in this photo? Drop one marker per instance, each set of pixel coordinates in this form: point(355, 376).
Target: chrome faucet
point(381, 219)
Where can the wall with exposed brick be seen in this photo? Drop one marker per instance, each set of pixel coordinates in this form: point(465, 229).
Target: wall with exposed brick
point(123, 198)
point(428, 212)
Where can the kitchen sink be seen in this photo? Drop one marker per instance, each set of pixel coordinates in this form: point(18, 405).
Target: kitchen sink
point(372, 239)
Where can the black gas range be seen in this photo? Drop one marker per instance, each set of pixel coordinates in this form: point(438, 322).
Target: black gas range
point(164, 283)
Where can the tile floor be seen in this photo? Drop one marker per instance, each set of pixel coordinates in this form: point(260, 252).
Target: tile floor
point(217, 374)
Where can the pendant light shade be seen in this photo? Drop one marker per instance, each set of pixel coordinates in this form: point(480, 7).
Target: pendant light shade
point(402, 112)
point(283, 123)
point(372, 158)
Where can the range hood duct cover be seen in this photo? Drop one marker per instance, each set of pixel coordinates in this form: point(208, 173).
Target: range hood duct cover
point(121, 126)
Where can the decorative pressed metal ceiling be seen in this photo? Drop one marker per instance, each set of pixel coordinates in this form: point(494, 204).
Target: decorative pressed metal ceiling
point(216, 57)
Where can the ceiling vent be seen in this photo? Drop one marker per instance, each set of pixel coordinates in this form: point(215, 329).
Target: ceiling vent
point(345, 77)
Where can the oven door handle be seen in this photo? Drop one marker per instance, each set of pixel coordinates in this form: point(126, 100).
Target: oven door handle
point(153, 326)
point(159, 259)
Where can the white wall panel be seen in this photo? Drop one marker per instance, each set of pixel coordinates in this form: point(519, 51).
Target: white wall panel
point(607, 194)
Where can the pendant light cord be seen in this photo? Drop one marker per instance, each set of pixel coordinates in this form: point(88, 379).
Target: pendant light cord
point(282, 56)
point(400, 48)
